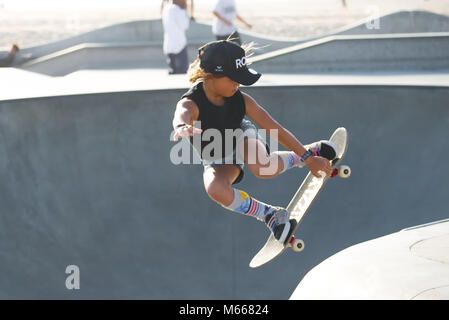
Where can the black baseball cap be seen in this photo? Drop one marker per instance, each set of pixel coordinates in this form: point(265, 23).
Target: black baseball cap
point(228, 59)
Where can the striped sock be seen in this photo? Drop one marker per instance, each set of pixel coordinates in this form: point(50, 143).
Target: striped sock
point(246, 205)
point(289, 158)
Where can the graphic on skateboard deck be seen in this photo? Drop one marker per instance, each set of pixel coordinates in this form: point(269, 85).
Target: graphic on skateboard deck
point(301, 201)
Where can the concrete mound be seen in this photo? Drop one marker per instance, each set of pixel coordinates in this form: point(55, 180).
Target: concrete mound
point(410, 264)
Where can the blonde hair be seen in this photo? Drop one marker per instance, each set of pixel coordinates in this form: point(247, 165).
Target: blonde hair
point(195, 72)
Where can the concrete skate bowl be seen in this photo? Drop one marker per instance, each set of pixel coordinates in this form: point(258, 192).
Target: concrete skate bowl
point(360, 53)
point(87, 181)
point(138, 44)
point(151, 31)
point(395, 52)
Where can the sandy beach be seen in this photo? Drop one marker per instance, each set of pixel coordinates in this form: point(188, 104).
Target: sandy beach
point(30, 24)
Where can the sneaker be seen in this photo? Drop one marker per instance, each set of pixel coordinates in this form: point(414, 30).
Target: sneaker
point(280, 224)
point(323, 148)
point(326, 149)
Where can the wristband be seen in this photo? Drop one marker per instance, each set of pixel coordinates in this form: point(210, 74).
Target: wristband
point(307, 155)
point(180, 125)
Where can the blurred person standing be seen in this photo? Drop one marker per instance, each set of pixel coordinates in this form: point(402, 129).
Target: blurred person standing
point(191, 8)
point(7, 58)
point(223, 27)
point(175, 22)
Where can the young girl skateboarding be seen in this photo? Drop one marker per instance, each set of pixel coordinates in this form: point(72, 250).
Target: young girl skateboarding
point(214, 103)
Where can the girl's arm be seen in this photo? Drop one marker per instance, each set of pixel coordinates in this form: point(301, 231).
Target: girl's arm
point(263, 119)
point(185, 114)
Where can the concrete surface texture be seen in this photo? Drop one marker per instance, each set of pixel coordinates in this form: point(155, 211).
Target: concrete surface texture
point(410, 264)
point(87, 181)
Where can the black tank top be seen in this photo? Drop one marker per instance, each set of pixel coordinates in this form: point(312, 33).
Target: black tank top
point(228, 116)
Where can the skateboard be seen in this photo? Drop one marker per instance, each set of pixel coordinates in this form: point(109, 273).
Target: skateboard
point(301, 201)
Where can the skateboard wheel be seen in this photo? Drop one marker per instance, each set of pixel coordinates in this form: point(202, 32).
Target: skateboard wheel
point(344, 172)
point(298, 245)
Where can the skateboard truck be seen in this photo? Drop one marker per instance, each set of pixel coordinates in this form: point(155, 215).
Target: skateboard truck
point(342, 172)
point(296, 244)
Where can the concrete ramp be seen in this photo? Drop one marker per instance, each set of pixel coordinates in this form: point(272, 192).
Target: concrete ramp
point(151, 30)
point(147, 31)
point(395, 52)
point(136, 44)
point(91, 56)
point(360, 53)
point(395, 42)
point(410, 264)
point(398, 22)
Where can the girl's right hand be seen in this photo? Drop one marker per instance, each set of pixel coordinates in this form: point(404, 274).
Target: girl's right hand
point(185, 131)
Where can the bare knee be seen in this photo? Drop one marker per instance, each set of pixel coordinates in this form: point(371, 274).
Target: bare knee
point(263, 172)
point(214, 189)
point(218, 183)
point(220, 192)
point(261, 163)
point(269, 168)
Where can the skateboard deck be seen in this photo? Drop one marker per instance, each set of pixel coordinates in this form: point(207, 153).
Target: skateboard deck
point(300, 203)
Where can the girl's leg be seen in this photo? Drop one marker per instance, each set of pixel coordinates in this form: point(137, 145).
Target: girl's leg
point(218, 181)
point(218, 184)
point(263, 164)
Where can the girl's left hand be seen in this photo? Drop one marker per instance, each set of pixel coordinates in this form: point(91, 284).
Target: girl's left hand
point(317, 164)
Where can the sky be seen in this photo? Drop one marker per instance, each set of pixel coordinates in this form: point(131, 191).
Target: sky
point(58, 5)
point(46, 5)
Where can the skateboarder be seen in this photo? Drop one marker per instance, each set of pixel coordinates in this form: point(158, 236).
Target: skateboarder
point(215, 102)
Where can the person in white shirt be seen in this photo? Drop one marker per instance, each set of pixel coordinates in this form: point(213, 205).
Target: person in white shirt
point(175, 22)
point(191, 8)
point(223, 26)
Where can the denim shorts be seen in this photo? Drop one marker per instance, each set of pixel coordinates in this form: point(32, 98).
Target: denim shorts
point(249, 132)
